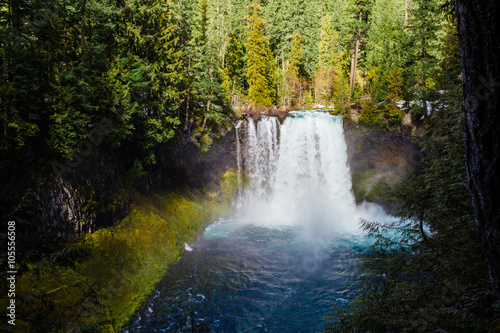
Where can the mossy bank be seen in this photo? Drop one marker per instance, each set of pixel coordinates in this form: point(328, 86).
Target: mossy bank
point(92, 244)
point(119, 266)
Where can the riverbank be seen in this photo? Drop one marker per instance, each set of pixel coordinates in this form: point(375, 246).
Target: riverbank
point(102, 279)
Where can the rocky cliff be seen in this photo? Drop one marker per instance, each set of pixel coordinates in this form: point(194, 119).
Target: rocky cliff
point(379, 159)
point(96, 192)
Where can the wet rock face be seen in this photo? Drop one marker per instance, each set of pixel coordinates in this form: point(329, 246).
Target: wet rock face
point(97, 192)
point(182, 164)
point(66, 207)
point(379, 159)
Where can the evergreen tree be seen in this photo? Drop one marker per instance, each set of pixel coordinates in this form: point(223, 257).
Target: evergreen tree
point(361, 10)
point(154, 62)
point(205, 95)
point(258, 55)
point(294, 75)
point(234, 71)
point(423, 26)
point(386, 46)
point(330, 80)
point(328, 39)
point(296, 62)
point(284, 19)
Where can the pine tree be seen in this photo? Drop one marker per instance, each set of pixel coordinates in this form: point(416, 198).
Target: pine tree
point(296, 64)
point(234, 71)
point(295, 74)
point(284, 19)
point(394, 95)
point(424, 24)
point(258, 55)
point(150, 54)
point(330, 82)
point(386, 47)
point(386, 35)
point(206, 86)
point(361, 12)
point(327, 37)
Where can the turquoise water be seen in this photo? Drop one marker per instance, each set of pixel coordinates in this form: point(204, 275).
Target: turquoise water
point(242, 277)
point(290, 254)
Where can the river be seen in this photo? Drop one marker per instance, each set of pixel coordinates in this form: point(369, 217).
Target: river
point(290, 252)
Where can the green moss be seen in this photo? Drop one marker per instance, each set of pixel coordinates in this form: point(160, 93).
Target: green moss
point(370, 185)
point(360, 181)
point(378, 192)
point(124, 262)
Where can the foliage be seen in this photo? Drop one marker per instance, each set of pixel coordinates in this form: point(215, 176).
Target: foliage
point(258, 55)
point(426, 271)
point(424, 23)
point(97, 283)
point(330, 81)
point(234, 71)
point(370, 115)
point(387, 113)
point(66, 66)
point(154, 68)
point(287, 18)
point(296, 64)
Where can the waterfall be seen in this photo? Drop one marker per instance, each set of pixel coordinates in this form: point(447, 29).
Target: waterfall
point(238, 161)
point(298, 172)
point(261, 153)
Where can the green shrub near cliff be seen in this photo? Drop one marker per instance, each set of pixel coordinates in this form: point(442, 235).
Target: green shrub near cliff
point(100, 281)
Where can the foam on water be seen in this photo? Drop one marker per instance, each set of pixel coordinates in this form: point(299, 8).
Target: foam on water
point(291, 252)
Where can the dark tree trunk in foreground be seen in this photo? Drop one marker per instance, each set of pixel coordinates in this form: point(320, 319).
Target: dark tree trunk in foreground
point(479, 33)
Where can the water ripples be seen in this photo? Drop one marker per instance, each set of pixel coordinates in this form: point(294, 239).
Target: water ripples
point(246, 278)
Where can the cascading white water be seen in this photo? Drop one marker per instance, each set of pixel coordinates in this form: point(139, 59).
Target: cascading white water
point(238, 161)
point(285, 249)
point(303, 177)
point(261, 152)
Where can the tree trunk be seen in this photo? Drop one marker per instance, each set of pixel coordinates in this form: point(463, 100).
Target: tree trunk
point(351, 83)
point(206, 117)
point(354, 62)
point(14, 15)
point(204, 122)
point(188, 95)
point(479, 36)
point(424, 97)
point(224, 54)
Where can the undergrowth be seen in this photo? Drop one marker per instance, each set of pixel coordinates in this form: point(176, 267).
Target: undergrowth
point(116, 268)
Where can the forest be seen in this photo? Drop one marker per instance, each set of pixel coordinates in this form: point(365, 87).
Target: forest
point(91, 78)
point(153, 67)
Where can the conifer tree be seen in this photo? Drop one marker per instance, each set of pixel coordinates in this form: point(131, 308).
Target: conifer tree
point(296, 65)
point(424, 24)
point(149, 53)
point(386, 47)
point(258, 55)
point(295, 75)
point(234, 70)
point(328, 36)
point(330, 81)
